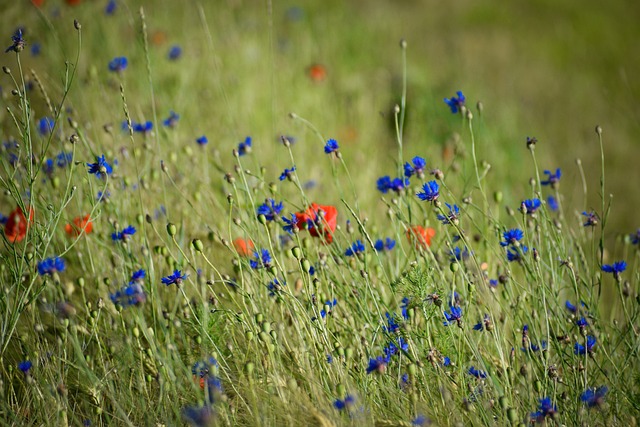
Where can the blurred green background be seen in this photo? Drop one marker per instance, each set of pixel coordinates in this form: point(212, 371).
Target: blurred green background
point(549, 69)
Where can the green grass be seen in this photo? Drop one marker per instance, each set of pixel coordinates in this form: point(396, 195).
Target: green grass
point(543, 69)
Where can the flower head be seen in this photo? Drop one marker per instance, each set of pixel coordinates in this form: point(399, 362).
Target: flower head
point(531, 206)
point(455, 315)
point(384, 245)
point(287, 173)
point(345, 404)
point(356, 248)
point(516, 253)
point(545, 409)
point(553, 179)
point(420, 236)
point(78, 226)
point(51, 265)
point(118, 64)
point(15, 227)
point(430, 192)
point(172, 120)
point(25, 366)
point(111, 7)
point(100, 168)
point(635, 238)
point(270, 209)
point(616, 268)
point(46, 125)
point(124, 235)
point(511, 237)
point(262, 260)
point(552, 203)
point(379, 364)
point(580, 349)
point(477, 373)
point(452, 217)
point(590, 219)
point(174, 53)
point(416, 167)
point(131, 294)
point(175, 278)
point(594, 396)
point(18, 42)
point(244, 147)
point(455, 103)
point(320, 220)
point(244, 247)
point(331, 146)
point(202, 140)
point(143, 128)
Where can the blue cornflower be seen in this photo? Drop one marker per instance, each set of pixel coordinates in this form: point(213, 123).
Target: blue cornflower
point(455, 103)
point(328, 306)
point(172, 120)
point(100, 168)
point(144, 128)
point(103, 196)
point(398, 184)
point(118, 64)
point(291, 224)
point(356, 248)
point(580, 349)
point(455, 315)
point(484, 324)
point(594, 397)
point(174, 53)
point(430, 192)
point(347, 403)
point(262, 259)
point(18, 42)
point(552, 178)
point(45, 125)
point(458, 254)
point(384, 184)
point(138, 276)
point(132, 294)
point(531, 205)
point(111, 7)
point(590, 219)
point(202, 140)
point(635, 238)
point(3, 219)
point(331, 146)
point(420, 421)
point(384, 245)
point(477, 373)
point(572, 308)
point(51, 265)
point(616, 268)
point(274, 287)
point(494, 283)
point(552, 203)
point(200, 416)
point(287, 173)
point(176, 278)
point(244, 147)
point(417, 168)
point(511, 237)
point(123, 235)
point(25, 366)
point(515, 254)
point(64, 159)
point(379, 364)
point(393, 348)
point(48, 167)
point(446, 361)
point(270, 209)
point(582, 323)
point(393, 325)
point(404, 306)
point(452, 217)
point(546, 409)
point(35, 49)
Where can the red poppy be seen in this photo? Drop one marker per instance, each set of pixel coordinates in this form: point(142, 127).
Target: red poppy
point(15, 229)
point(37, 3)
point(420, 236)
point(321, 220)
point(79, 224)
point(317, 72)
point(244, 247)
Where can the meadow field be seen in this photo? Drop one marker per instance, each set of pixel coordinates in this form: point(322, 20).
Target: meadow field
point(324, 213)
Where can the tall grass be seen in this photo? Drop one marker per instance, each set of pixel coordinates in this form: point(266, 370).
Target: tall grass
point(218, 285)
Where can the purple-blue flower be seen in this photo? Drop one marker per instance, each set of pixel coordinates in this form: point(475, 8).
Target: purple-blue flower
point(17, 42)
point(454, 315)
point(379, 364)
point(590, 219)
point(331, 146)
point(244, 147)
point(51, 265)
point(452, 217)
point(455, 103)
point(262, 259)
point(580, 349)
point(384, 245)
point(347, 403)
point(111, 7)
point(287, 173)
point(552, 178)
point(174, 53)
point(25, 366)
point(545, 409)
point(123, 235)
point(202, 140)
point(356, 248)
point(430, 192)
point(100, 168)
point(511, 237)
point(270, 209)
point(515, 254)
point(531, 205)
point(594, 396)
point(172, 120)
point(477, 373)
point(416, 167)
point(118, 64)
point(616, 268)
point(45, 126)
point(175, 278)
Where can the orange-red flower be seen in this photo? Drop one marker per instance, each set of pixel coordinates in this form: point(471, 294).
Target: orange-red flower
point(15, 229)
point(317, 72)
point(244, 247)
point(420, 236)
point(37, 3)
point(321, 221)
point(79, 225)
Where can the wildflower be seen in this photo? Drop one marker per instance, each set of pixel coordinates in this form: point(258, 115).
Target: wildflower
point(51, 265)
point(328, 305)
point(385, 184)
point(287, 173)
point(420, 236)
point(111, 7)
point(446, 361)
point(317, 72)
point(103, 197)
point(100, 168)
point(616, 268)
point(63, 159)
point(123, 235)
point(552, 203)
point(202, 140)
point(118, 64)
point(484, 324)
point(347, 403)
point(138, 276)
point(244, 247)
point(329, 359)
point(452, 217)
point(25, 366)
point(459, 255)
point(477, 373)
point(546, 409)
point(199, 416)
point(132, 294)
point(582, 323)
point(384, 245)
point(430, 192)
point(331, 146)
point(45, 125)
point(594, 397)
point(244, 147)
point(493, 283)
point(591, 219)
point(404, 306)
point(531, 206)
point(15, 228)
point(392, 323)
point(379, 364)
point(531, 141)
point(420, 421)
point(78, 226)
point(416, 168)
point(393, 349)
point(274, 287)
point(174, 53)
point(291, 224)
point(172, 120)
point(270, 209)
point(455, 315)
point(144, 128)
point(512, 237)
point(17, 42)
point(572, 308)
point(553, 179)
point(356, 248)
point(635, 238)
point(515, 254)
point(320, 220)
point(176, 278)
point(262, 259)
point(580, 349)
point(455, 103)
